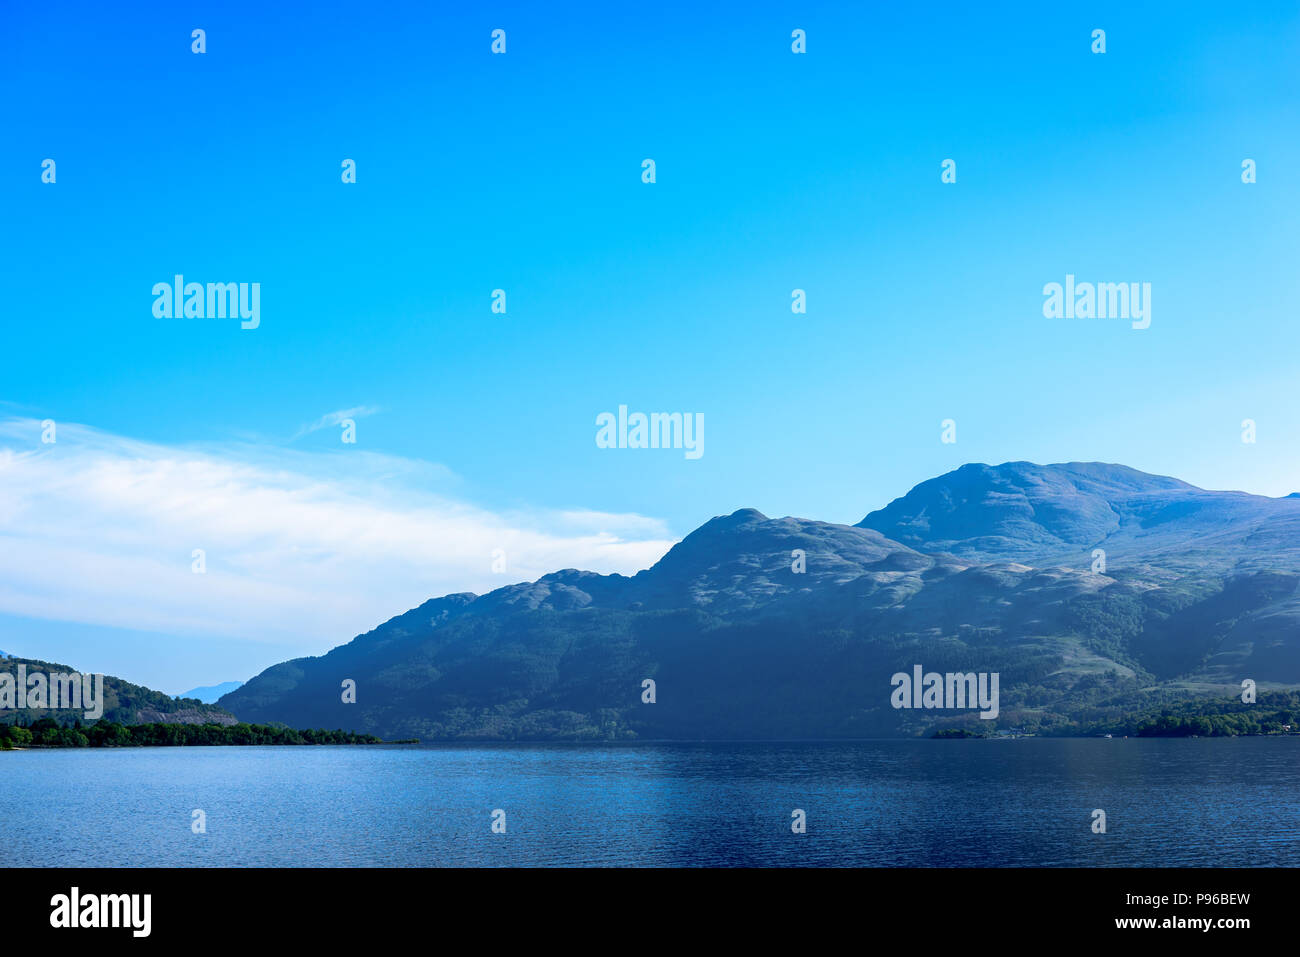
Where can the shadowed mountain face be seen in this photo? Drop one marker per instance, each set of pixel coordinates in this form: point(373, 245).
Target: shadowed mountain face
point(753, 627)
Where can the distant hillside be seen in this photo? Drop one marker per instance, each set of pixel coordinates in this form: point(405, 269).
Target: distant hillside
point(987, 568)
point(124, 703)
point(209, 694)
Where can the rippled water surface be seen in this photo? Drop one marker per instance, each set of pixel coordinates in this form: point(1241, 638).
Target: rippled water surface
point(1233, 802)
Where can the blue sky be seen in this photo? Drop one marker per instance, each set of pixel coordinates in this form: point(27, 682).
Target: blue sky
point(775, 171)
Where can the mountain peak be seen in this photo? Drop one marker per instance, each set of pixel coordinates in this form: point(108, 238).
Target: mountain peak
point(1025, 511)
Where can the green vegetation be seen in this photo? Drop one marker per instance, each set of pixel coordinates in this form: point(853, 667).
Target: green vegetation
point(1122, 709)
point(109, 734)
point(1276, 712)
point(123, 701)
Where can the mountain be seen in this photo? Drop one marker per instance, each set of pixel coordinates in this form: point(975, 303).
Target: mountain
point(1043, 514)
point(124, 702)
point(209, 694)
point(987, 568)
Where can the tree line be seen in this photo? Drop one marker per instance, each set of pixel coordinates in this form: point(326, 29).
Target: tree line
point(47, 733)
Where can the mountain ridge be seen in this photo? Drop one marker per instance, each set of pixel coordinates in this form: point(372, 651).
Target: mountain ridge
point(792, 626)
point(209, 694)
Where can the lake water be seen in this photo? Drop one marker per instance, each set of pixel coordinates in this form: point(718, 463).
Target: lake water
point(1231, 802)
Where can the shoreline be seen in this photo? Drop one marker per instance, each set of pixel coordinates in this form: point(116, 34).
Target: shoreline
point(658, 742)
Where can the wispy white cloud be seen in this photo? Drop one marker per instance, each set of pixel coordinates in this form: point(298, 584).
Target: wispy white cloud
point(306, 548)
point(335, 419)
